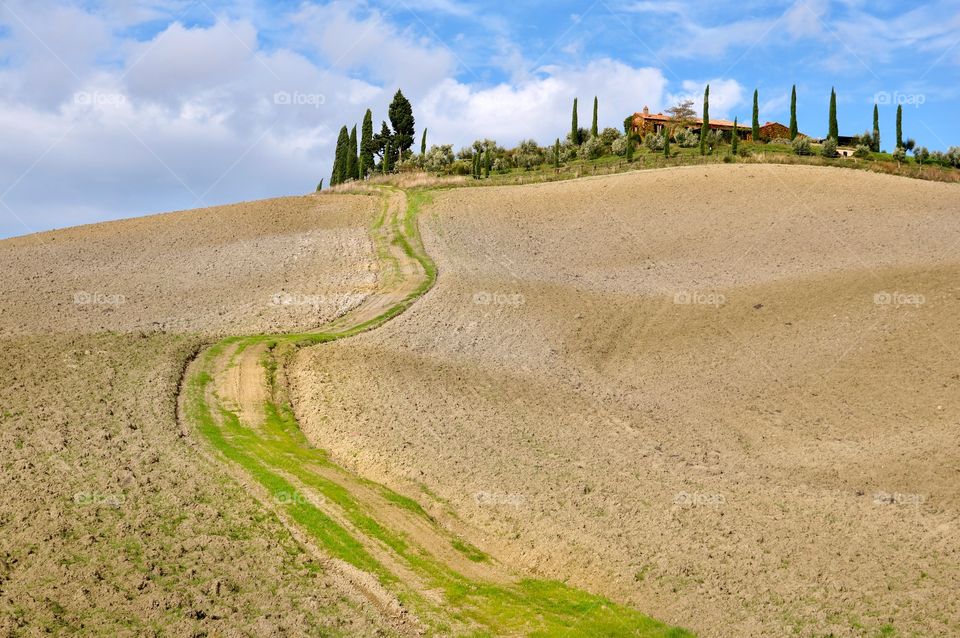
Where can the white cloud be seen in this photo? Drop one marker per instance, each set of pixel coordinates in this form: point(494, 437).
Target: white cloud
point(725, 96)
point(369, 42)
point(540, 107)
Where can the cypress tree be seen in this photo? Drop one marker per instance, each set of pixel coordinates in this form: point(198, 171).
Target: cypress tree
point(900, 126)
point(366, 144)
point(705, 128)
point(594, 130)
point(339, 174)
point(344, 156)
point(876, 128)
point(793, 114)
point(735, 140)
point(401, 118)
point(574, 125)
point(834, 129)
point(423, 143)
point(666, 143)
point(756, 115)
point(353, 165)
point(385, 164)
point(630, 142)
point(556, 153)
point(336, 166)
point(320, 185)
point(487, 164)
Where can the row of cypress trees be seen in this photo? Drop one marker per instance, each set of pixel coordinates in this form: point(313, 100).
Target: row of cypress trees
point(577, 135)
point(355, 159)
point(833, 129)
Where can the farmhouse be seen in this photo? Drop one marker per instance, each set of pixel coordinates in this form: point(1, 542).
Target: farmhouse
point(647, 122)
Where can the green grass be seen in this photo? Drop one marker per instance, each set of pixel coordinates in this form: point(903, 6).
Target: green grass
point(277, 457)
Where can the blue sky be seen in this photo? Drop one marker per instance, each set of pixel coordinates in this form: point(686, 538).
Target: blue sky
point(116, 108)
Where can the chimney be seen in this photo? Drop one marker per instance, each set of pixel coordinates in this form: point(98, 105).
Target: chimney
point(646, 110)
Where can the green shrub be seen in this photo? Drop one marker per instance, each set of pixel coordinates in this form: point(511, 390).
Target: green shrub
point(921, 154)
point(528, 155)
point(619, 146)
point(608, 136)
point(781, 141)
point(862, 151)
point(591, 149)
point(686, 138)
point(868, 139)
point(568, 151)
point(438, 158)
point(801, 146)
point(900, 154)
point(829, 148)
point(953, 156)
point(460, 167)
point(653, 142)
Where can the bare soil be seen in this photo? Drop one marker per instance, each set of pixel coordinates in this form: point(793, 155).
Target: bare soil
point(726, 395)
point(114, 521)
point(267, 266)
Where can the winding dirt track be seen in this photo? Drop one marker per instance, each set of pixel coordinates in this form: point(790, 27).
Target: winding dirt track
point(382, 543)
point(239, 374)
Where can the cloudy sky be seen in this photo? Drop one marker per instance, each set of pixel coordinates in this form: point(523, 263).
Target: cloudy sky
point(116, 108)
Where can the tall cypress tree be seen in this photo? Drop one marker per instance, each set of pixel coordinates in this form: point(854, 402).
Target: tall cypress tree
point(735, 139)
point(401, 118)
point(756, 116)
point(793, 113)
point(556, 153)
point(353, 164)
point(385, 164)
point(666, 143)
point(423, 143)
point(574, 125)
point(366, 145)
point(630, 142)
point(900, 126)
point(487, 164)
point(876, 128)
point(339, 174)
point(594, 129)
point(834, 129)
point(344, 153)
point(705, 127)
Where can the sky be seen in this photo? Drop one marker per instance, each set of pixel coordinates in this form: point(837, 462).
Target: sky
point(119, 108)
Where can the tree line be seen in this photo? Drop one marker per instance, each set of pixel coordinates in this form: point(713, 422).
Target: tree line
point(391, 148)
point(375, 152)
